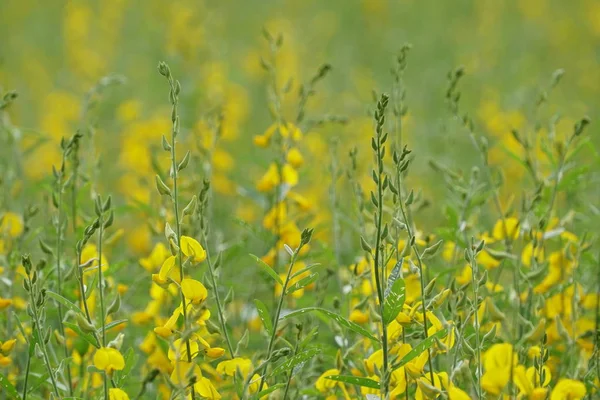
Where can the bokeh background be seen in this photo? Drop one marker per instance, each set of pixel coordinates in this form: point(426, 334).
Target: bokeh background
point(53, 52)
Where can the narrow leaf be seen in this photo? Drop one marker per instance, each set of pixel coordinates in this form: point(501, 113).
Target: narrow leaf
point(264, 315)
point(267, 268)
point(305, 269)
point(394, 301)
point(65, 302)
point(85, 336)
point(420, 348)
point(112, 325)
point(307, 280)
point(291, 362)
point(8, 387)
point(355, 380)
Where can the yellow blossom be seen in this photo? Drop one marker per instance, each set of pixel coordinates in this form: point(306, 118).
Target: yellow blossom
point(193, 290)
point(191, 248)
point(117, 394)
point(108, 359)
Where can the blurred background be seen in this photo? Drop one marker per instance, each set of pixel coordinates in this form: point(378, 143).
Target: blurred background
point(53, 53)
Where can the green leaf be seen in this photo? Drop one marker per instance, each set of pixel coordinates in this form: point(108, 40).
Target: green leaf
point(420, 348)
point(302, 283)
point(90, 288)
point(112, 325)
point(85, 336)
point(267, 268)
point(336, 318)
point(305, 269)
point(394, 301)
point(130, 361)
point(291, 362)
point(8, 387)
point(355, 380)
point(264, 315)
point(65, 302)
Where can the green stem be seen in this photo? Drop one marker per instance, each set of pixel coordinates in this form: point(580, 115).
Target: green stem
point(101, 294)
point(174, 168)
point(277, 315)
point(41, 341)
point(24, 396)
point(59, 277)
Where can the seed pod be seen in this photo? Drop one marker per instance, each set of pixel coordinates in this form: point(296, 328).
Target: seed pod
point(84, 324)
point(184, 162)
point(365, 246)
point(115, 306)
point(162, 188)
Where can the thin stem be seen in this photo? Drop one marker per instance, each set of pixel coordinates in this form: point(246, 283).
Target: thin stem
point(24, 396)
point(475, 274)
point(220, 309)
point(380, 267)
point(59, 275)
point(289, 378)
point(278, 313)
point(101, 293)
point(174, 171)
point(42, 343)
point(421, 280)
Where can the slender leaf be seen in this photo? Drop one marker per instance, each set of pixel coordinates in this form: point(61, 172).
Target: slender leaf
point(8, 387)
point(394, 301)
point(267, 268)
point(335, 317)
point(305, 269)
point(65, 302)
point(85, 336)
point(420, 348)
point(264, 315)
point(302, 283)
point(90, 288)
point(355, 380)
point(112, 324)
point(291, 362)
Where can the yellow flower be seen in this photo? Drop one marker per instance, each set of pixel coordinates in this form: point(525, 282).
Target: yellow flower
point(359, 316)
point(272, 177)
point(568, 389)
point(108, 359)
point(179, 351)
point(294, 157)
point(508, 227)
point(497, 361)
point(255, 384)
point(427, 390)
point(323, 384)
point(183, 371)
point(528, 254)
point(5, 361)
point(117, 394)
point(167, 270)
point(215, 352)
point(528, 382)
point(7, 346)
point(485, 259)
point(11, 224)
point(455, 393)
point(205, 388)
point(191, 248)
point(193, 290)
point(229, 367)
point(156, 258)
